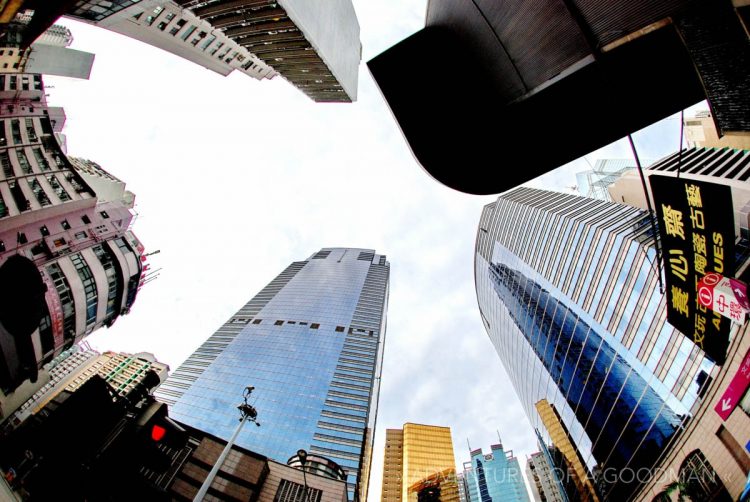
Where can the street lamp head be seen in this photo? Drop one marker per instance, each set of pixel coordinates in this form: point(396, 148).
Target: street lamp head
point(302, 455)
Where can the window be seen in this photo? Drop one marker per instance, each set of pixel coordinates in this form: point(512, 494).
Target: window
point(278, 323)
point(65, 224)
point(44, 230)
point(57, 187)
point(60, 242)
point(257, 321)
point(177, 27)
point(81, 235)
point(39, 193)
point(85, 219)
point(290, 491)
point(339, 329)
point(2, 246)
point(700, 479)
point(89, 286)
point(314, 325)
point(104, 214)
point(187, 33)
point(21, 237)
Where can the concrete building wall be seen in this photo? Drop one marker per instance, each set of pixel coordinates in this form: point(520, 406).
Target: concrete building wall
point(333, 31)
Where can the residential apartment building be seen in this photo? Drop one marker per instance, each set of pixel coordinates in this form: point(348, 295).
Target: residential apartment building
point(52, 222)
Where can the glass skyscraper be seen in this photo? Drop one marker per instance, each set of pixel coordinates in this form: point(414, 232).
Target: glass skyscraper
point(311, 343)
point(495, 477)
point(567, 289)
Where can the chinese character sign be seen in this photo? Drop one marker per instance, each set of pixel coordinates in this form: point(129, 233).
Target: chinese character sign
point(696, 229)
point(724, 295)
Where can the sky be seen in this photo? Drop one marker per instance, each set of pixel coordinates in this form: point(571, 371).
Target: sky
point(236, 178)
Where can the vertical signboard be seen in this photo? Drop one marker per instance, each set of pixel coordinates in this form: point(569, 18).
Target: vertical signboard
point(696, 229)
point(55, 308)
point(736, 389)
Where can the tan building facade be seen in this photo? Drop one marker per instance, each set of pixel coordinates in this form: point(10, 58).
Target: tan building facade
point(700, 131)
point(419, 464)
point(710, 456)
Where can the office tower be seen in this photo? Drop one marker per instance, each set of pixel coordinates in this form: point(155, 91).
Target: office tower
point(710, 444)
point(311, 343)
point(726, 166)
point(568, 293)
point(700, 131)
point(54, 233)
point(315, 47)
point(495, 476)
point(392, 466)
point(419, 465)
point(544, 484)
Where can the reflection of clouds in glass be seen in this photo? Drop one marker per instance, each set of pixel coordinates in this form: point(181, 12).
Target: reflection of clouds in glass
point(627, 420)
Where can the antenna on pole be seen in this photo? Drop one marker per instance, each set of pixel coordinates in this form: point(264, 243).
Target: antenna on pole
point(468, 445)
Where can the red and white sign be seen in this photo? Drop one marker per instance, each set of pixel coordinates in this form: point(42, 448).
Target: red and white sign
point(55, 309)
point(736, 389)
point(724, 295)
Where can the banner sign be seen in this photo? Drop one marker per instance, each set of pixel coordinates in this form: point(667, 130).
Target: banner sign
point(55, 308)
point(724, 295)
point(696, 229)
point(736, 389)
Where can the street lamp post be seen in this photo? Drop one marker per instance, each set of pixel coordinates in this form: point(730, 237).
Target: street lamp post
point(247, 412)
point(302, 455)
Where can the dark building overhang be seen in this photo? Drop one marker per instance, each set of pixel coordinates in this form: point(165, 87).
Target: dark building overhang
point(491, 94)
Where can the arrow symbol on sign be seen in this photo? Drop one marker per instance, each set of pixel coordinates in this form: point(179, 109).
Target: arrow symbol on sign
point(726, 404)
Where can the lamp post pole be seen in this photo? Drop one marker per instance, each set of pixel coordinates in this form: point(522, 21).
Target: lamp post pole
point(247, 412)
point(302, 455)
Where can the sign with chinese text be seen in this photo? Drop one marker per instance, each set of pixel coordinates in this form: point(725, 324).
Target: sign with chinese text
point(736, 389)
point(696, 230)
point(55, 309)
point(724, 295)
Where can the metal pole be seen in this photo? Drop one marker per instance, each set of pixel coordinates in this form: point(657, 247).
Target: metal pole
point(651, 213)
point(211, 475)
point(304, 477)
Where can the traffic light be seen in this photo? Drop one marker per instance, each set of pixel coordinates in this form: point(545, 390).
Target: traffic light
point(159, 439)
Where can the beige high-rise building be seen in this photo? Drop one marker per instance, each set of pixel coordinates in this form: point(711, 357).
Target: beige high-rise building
point(419, 465)
point(700, 131)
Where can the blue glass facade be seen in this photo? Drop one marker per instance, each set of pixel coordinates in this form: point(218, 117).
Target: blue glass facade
point(567, 289)
point(311, 343)
point(495, 477)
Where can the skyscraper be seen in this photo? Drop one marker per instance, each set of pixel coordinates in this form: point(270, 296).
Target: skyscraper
point(544, 485)
point(567, 289)
point(495, 476)
point(419, 465)
point(311, 343)
point(314, 46)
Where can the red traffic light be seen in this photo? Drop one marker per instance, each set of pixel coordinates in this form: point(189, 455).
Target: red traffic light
point(157, 432)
